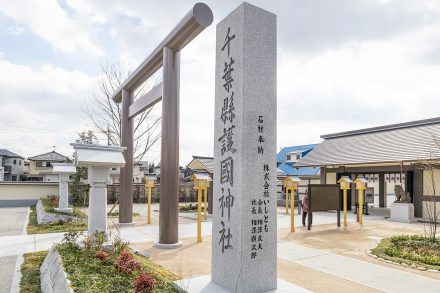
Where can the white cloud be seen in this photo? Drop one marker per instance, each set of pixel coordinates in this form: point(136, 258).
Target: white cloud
point(51, 22)
point(41, 107)
point(341, 65)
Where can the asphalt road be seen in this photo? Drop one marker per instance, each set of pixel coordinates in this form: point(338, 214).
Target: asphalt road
point(12, 220)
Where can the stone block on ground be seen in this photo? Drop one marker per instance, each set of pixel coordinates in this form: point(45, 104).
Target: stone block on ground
point(53, 278)
point(44, 217)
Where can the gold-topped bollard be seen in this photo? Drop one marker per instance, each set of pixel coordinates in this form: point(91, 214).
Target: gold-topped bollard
point(201, 183)
point(205, 203)
point(150, 181)
point(291, 184)
point(345, 185)
point(361, 185)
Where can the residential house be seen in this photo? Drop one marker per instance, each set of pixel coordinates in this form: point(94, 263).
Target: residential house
point(40, 166)
point(286, 159)
point(11, 166)
point(205, 165)
point(138, 174)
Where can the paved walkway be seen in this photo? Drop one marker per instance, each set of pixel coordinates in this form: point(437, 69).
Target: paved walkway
point(13, 222)
point(368, 274)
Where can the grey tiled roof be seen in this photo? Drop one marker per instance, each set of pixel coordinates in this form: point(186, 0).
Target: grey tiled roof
point(208, 162)
point(9, 154)
point(410, 141)
point(50, 157)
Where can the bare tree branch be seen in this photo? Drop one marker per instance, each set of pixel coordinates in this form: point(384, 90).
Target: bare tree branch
point(105, 115)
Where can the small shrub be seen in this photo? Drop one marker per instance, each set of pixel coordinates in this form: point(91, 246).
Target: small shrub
point(144, 283)
point(126, 263)
point(100, 238)
point(53, 199)
point(391, 251)
point(71, 238)
point(102, 254)
point(119, 245)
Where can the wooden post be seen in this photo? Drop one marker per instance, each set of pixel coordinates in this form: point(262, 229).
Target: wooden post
point(287, 201)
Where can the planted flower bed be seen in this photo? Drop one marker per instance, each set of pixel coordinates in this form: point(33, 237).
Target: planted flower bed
point(416, 251)
point(99, 268)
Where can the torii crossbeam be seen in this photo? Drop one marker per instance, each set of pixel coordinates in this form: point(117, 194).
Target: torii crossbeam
point(166, 55)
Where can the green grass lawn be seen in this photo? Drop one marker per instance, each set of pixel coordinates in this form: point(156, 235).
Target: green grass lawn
point(30, 271)
point(417, 250)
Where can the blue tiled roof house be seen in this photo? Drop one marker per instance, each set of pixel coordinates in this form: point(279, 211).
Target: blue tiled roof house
point(288, 156)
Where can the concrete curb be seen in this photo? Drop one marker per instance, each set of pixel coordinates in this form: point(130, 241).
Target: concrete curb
point(15, 286)
point(26, 222)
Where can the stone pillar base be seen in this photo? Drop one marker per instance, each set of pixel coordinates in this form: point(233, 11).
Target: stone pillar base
point(204, 284)
point(65, 210)
point(168, 246)
point(402, 212)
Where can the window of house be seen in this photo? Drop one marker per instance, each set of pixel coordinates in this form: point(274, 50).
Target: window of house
point(15, 162)
point(19, 162)
point(288, 157)
point(39, 164)
point(47, 164)
point(298, 156)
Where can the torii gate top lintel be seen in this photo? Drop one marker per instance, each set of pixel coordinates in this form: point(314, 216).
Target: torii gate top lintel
point(195, 21)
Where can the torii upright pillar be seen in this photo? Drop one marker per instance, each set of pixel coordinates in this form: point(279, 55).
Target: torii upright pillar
point(169, 162)
point(126, 175)
point(166, 55)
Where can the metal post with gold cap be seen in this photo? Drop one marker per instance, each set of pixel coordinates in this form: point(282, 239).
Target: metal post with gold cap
point(291, 184)
point(150, 181)
point(361, 185)
point(201, 183)
point(345, 185)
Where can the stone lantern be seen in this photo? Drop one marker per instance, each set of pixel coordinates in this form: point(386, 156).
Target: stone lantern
point(63, 171)
point(99, 160)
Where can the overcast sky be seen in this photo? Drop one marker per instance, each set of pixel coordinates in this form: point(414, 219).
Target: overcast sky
point(342, 65)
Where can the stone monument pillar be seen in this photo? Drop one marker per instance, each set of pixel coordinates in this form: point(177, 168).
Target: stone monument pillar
point(63, 171)
point(244, 241)
point(99, 160)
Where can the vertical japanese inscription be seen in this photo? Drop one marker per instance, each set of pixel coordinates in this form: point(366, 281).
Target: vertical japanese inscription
point(260, 202)
point(226, 144)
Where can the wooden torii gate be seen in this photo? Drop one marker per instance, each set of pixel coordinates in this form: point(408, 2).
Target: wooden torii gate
point(167, 56)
